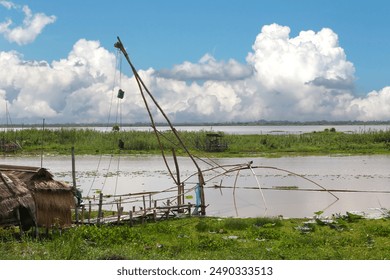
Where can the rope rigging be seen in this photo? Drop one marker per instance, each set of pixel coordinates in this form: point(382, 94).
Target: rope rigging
point(144, 91)
point(117, 81)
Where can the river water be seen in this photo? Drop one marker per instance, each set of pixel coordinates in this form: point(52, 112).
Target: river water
point(260, 191)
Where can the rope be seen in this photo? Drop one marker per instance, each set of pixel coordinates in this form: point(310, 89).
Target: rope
point(117, 176)
point(117, 60)
point(94, 177)
point(118, 65)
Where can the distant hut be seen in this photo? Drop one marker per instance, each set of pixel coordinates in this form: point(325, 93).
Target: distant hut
point(53, 199)
point(214, 143)
point(17, 206)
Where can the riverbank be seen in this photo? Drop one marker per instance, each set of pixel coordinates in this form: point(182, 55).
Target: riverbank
point(91, 142)
point(345, 237)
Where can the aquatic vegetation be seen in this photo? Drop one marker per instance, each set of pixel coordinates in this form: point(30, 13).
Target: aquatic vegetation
point(90, 141)
point(339, 237)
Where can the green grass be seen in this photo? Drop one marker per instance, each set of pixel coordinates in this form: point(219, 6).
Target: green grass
point(89, 141)
point(211, 238)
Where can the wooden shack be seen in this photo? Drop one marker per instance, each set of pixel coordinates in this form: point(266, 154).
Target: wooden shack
point(215, 143)
point(53, 199)
point(17, 206)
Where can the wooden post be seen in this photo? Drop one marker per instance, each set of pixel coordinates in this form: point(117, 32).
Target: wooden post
point(179, 202)
point(144, 203)
point(42, 143)
point(181, 196)
point(89, 211)
point(144, 209)
point(189, 209)
point(168, 208)
point(74, 184)
point(150, 201)
point(182, 193)
point(155, 211)
point(82, 213)
point(202, 199)
point(131, 218)
point(100, 208)
point(119, 209)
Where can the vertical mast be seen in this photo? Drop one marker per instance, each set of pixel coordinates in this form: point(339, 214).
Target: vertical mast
point(143, 87)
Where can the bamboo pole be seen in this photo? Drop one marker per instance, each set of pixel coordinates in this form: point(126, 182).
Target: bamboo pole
point(168, 208)
point(189, 209)
point(155, 210)
point(179, 196)
point(182, 193)
point(119, 208)
point(202, 198)
point(74, 183)
point(89, 211)
point(100, 208)
point(82, 213)
point(131, 218)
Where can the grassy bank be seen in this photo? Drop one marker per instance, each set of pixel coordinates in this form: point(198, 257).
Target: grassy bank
point(347, 237)
point(89, 141)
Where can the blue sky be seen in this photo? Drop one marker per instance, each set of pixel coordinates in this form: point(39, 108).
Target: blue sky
point(162, 35)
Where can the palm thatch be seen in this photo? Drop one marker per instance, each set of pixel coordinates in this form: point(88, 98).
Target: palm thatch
point(53, 199)
point(17, 206)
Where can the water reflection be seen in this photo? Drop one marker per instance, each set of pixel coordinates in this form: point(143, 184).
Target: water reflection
point(131, 174)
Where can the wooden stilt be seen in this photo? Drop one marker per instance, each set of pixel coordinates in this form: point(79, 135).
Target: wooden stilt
point(189, 209)
point(82, 214)
point(89, 211)
point(131, 218)
point(100, 214)
point(155, 211)
point(119, 209)
point(74, 184)
point(202, 199)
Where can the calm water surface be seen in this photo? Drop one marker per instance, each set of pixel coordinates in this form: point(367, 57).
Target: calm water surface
point(131, 174)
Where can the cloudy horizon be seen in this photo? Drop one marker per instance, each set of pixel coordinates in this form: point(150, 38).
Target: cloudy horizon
point(306, 77)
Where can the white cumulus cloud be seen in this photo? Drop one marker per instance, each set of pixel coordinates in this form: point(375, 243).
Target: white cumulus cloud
point(375, 106)
point(29, 29)
point(208, 68)
point(306, 74)
point(69, 90)
point(306, 77)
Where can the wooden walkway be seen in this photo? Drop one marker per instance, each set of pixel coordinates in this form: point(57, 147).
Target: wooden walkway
point(144, 214)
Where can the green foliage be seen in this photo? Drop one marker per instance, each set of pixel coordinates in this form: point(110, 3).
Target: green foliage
point(209, 238)
point(90, 141)
point(7, 234)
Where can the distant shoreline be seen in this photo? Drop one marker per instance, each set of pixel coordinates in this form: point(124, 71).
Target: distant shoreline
point(142, 124)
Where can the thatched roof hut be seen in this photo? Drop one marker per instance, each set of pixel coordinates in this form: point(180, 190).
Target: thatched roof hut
point(53, 199)
point(17, 206)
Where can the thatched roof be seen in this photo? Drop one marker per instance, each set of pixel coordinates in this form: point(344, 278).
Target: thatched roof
point(27, 173)
point(14, 195)
point(53, 199)
point(36, 178)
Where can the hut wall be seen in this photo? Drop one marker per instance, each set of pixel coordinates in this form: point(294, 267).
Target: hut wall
point(54, 207)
